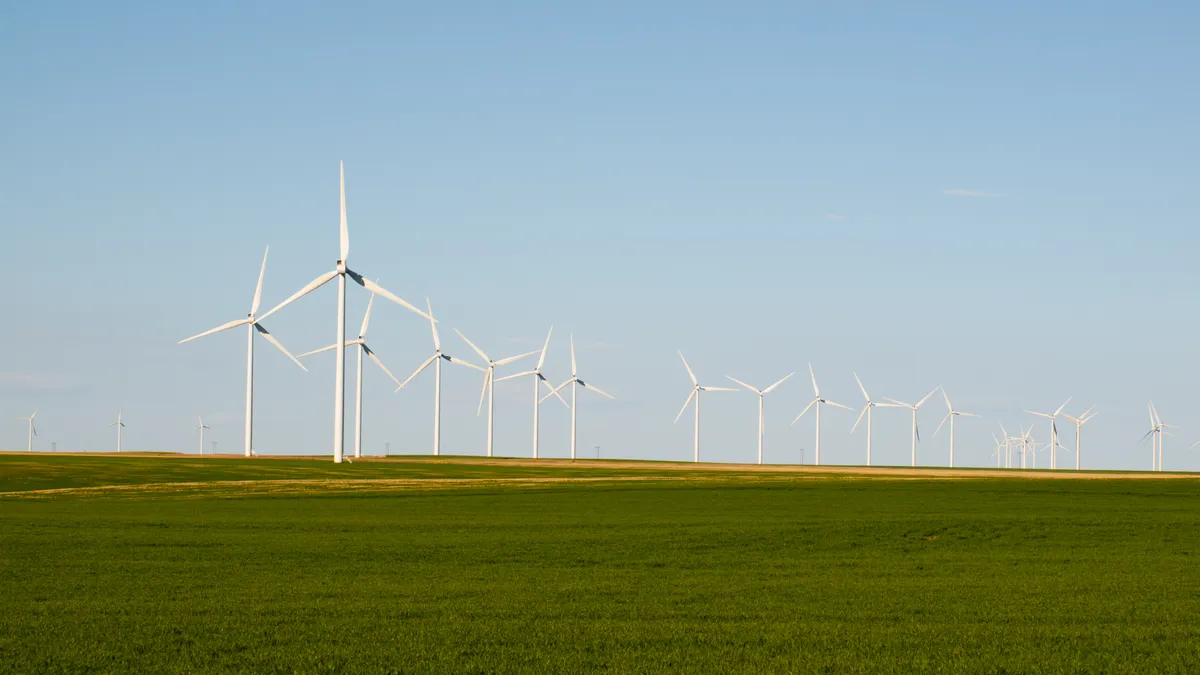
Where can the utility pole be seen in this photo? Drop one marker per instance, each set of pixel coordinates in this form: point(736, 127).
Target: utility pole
point(597, 452)
point(214, 447)
point(387, 449)
point(53, 446)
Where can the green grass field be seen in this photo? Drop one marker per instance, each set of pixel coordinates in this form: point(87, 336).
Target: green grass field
point(652, 571)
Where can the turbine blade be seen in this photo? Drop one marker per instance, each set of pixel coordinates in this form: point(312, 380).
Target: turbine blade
point(719, 389)
point(816, 392)
point(600, 391)
point(542, 358)
point(861, 415)
point(839, 405)
point(685, 405)
point(745, 385)
point(362, 332)
point(1060, 408)
point(515, 376)
point(569, 380)
point(902, 404)
point(689, 369)
point(345, 229)
point(312, 286)
point(948, 406)
point(487, 378)
point(781, 381)
point(417, 372)
point(218, 329)
point(380, 364)
point(271, 338)
point(258, 289)
point(553, 391)
point(965, 414)
point(472, 345)
point(437, 342)
point(322, 349)
point(518, 357)
point(864, 389)
point(814, 402)
point(574, 370)
point(931, 393)
point(376, 288)
point(935, 431)
point(460, 362)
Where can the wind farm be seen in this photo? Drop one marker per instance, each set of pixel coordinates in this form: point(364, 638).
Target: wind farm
point(540, 229)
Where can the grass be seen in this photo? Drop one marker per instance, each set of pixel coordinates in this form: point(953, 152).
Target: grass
point(736, 574)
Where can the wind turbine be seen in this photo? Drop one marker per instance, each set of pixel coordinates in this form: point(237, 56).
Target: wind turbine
point(916, 433)
point(488, 389)
point(200, 428)
point(1008, 440)
point(119, 425)
point(363, 349)
point(867, 411)
point(436, 360)
point(252, 325)
point(341, 272)
point(818, 401)
point(575, 383)
point(538, 380)
point(761, 394)
point(1159, 429)
point(696, 389)
point(32, 429)
point(950, 416)
point(1079, 422)
point(1000, 446)
point(1053, 431)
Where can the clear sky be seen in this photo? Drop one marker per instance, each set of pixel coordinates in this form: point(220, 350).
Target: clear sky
point(996, 197)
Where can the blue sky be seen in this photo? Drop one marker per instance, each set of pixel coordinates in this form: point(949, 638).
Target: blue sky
point(997, 198)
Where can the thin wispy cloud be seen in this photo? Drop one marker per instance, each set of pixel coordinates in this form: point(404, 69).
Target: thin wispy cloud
point(23, 382)
point(973, 193)
point(834, 216)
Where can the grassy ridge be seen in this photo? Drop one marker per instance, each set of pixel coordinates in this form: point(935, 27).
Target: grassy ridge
point(737, 575)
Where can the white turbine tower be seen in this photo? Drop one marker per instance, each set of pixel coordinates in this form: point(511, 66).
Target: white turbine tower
point(916, 432)
point(538, 380)
point(363, 349)
point(252, 325)
point(32, 430)
point(818, 401)
point(1079, 422)
point(867, 411)
point(436, 360)
point(1159, 430)
point(1054, 445)
point(119, 425)
point(1008, 444)
point(950, 416)
point(575, 383)
point(200, 429)
point(489, 376)
point(341, 272)
point(761, 394)
point(696, 389)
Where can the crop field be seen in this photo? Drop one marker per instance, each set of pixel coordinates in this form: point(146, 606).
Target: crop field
point(169, 564)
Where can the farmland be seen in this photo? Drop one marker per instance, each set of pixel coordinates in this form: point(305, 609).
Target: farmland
point(473, 566)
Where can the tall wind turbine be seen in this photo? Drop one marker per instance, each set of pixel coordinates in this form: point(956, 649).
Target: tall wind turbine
point(1079, 422)
point(575, 383)
point(363, 349)
point(489, 377)
point(436, 360)
point(818, 401)
point(761, 394)
point(252, 325)
point(867, 411)
point(696, 389)
point(950, 416)
point(1159, 429)
point(200, 429)
point(32, 429)
point(1008, 444)
point(916, 433)
point(538, 380)
point(341, 272)
point(119, 425)
point(1054, 445)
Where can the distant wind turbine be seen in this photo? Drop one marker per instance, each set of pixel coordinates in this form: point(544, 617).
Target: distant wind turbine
point(363, 349)
point(916, 433)
point(200, 429)
point(1054, 445)
point(1079, 422)
point(575, 383)
point(761, 394)
point(538, 380)
point(696, 389)
point(818, 401)
point(341, 272)
point(1159, 430)
point(119, 425)
point(867, 411)
point(252, 324)
point(1008, 441)
point(488, 378)
point(32, 430)
point(436, 360)
point(950, 416)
